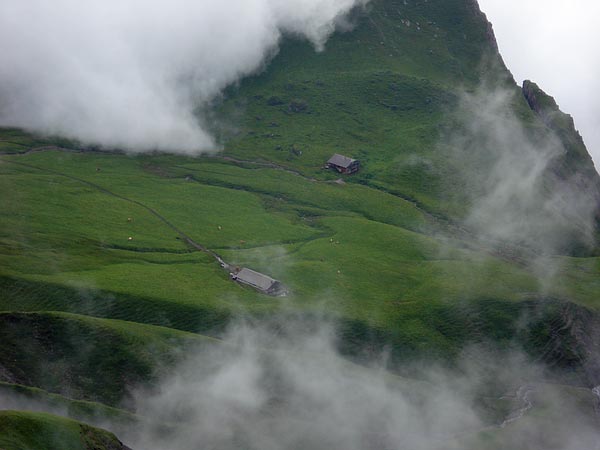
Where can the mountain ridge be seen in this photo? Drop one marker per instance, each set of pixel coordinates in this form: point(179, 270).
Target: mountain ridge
point(395, 259)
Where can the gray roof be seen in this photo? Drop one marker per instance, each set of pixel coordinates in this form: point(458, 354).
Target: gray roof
point(256, 279)
point(340, 160)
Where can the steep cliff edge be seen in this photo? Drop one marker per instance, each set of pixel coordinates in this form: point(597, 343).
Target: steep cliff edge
point(573, 167)
point(576, 157)
point(565, 337)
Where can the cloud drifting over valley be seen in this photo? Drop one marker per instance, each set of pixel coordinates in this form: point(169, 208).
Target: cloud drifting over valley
point(512, 175)
point(283, 383)
point(132, 73)
point(287, 387)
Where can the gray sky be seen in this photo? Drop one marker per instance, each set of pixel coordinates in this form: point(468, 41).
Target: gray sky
point(555, 43)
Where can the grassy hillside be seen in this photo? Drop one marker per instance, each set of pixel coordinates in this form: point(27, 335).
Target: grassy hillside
point(84, 357)
point(102, 274)
point(381, 93)
point(39, 400)
point(361, 252)
point(34, 431)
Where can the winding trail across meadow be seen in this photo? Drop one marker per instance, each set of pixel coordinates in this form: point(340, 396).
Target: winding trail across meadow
point(445, 225)
point(186, 238)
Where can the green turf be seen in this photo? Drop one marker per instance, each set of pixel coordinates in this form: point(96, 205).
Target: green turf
point(34, 431)
point(40, 400)
point(84, 357)
point(367, 254)
point(95, 245)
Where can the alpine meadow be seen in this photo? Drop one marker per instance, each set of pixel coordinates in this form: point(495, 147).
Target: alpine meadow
point(186, 264)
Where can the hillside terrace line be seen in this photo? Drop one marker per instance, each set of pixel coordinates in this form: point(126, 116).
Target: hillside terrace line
point(244, 276)
point(505, 252)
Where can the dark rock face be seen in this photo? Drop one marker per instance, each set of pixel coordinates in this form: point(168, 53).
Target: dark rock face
point(490, 36)
point(298, 106)
point(574, 168)
point(545, 107)
point(97, 439)
point(274, 101)
point(566, 337)
point(562, 124)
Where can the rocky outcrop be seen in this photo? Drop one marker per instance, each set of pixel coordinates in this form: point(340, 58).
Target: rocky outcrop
point(563, 125)
point(95, 439)
point(573, 169)
point(489, 34)
point(566, 337)
point(548, 110)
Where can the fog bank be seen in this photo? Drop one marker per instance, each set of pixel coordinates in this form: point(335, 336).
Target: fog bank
point(509, 175)
point(132, 74)
point(287, 387)
point(283, 384)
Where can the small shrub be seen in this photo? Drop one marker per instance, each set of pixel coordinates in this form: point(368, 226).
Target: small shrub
point(274, 101)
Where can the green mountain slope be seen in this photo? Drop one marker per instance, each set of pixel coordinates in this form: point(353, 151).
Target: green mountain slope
point(84, 357)
point(379, 92)
point(391, 92)
point(33, 431)
point(104, 273)
point(37, 399)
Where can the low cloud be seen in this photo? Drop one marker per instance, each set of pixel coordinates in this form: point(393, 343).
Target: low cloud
point(133, 74)
point(509, 172)
point(284, 385)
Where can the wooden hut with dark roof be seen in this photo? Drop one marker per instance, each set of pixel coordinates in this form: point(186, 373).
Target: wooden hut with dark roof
point(343, 164)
